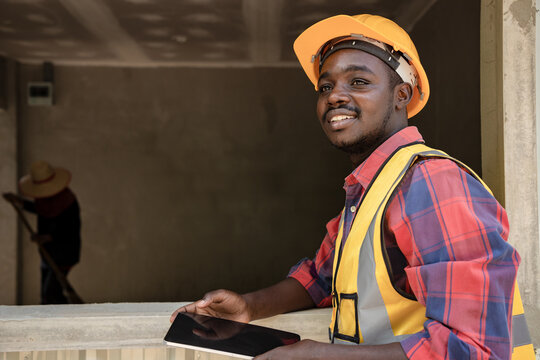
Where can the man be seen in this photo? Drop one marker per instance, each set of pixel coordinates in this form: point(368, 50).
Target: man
point(59, 223)
point(417, 264)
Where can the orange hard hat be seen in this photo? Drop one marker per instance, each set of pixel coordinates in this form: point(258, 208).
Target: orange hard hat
point(313, 42)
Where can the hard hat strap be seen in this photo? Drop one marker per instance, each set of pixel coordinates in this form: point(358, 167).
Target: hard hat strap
point(395, 59)
point(387, 58)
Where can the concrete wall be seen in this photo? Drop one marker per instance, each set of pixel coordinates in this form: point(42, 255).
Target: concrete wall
point(8, 178)
point(520, 147)
point(450, 55)
point(188, 179)
point(118, 326)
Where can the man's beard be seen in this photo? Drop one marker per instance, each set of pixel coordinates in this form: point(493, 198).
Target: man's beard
point(368, 142)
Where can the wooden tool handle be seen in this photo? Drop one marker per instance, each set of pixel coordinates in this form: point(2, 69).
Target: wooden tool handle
point(67, 289)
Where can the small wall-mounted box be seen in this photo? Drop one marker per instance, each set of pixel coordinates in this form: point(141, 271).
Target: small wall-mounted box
point(40, 93)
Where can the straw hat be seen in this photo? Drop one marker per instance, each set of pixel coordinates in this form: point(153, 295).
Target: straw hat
point(44, 180)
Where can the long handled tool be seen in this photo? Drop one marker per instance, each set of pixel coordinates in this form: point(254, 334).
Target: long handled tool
point(67, 289)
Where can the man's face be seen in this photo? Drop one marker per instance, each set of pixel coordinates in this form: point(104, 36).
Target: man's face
point(355, 102)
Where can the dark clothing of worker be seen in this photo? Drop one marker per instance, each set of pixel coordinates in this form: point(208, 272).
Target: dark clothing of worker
point(51, 289)
point(58, 217)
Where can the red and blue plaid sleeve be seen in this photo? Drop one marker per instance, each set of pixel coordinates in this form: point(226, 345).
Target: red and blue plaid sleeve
point(453, 234)
point(315, 274)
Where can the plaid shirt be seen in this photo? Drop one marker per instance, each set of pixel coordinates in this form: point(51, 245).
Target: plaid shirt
point(446, 239)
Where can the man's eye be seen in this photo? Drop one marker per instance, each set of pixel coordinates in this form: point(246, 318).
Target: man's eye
point(357, 82)
point(324, 88)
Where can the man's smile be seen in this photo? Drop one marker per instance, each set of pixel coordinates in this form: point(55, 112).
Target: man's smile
point(339, 119)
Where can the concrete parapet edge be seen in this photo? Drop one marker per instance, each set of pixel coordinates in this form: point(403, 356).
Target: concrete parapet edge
point(122, 325)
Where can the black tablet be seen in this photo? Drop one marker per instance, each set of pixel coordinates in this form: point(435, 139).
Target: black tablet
point(226, 337)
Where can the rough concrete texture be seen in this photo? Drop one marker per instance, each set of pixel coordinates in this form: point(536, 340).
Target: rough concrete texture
point(520, 149)
point(524, 13)
point(110, 326)
point(8, 178)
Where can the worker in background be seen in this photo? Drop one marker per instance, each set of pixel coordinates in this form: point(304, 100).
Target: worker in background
point(59, 224)
point(417, 264)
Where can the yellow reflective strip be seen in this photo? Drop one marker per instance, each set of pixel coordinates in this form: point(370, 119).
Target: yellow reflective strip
point(406, 316)
point(517, 308)
point(346, 281)
point(525, 352)
point(347, 318)
point(337, 245)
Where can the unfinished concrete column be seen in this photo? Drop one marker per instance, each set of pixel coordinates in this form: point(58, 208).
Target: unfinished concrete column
point(8, 181)
point(509, 149)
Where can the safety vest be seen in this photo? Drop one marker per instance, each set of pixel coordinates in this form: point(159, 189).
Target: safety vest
point(367, 309)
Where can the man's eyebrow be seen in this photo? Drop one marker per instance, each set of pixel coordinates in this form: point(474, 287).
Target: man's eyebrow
point(358, 68)
point(349, 68)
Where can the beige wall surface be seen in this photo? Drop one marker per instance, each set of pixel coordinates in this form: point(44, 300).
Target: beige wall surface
point(188, 179)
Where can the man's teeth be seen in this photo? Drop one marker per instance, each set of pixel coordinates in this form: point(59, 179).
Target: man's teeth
point(341, 117)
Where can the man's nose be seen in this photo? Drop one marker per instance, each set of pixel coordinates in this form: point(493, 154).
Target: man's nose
point(338, 95)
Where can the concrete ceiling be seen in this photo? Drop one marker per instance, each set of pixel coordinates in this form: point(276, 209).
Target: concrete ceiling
point(174, 32)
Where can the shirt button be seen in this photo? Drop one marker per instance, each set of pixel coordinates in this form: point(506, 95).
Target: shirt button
point(353, 208)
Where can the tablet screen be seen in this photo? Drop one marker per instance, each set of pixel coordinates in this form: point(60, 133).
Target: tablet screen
point(226, 337)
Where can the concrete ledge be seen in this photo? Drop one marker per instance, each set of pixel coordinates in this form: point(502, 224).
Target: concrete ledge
point(123, 325)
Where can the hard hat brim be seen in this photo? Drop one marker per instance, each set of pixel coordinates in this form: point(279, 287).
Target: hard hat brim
point(308, 44)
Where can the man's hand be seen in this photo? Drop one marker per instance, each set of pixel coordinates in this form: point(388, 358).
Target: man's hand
point(223, 304)
point(13, 198)
point(285, 296)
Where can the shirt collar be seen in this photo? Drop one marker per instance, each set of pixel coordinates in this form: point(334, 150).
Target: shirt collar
point(365, 172)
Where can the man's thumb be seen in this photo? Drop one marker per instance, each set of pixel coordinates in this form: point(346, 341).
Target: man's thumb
point(203, 302)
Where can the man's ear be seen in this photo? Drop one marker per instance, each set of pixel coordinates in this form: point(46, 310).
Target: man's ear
point(403, 95)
